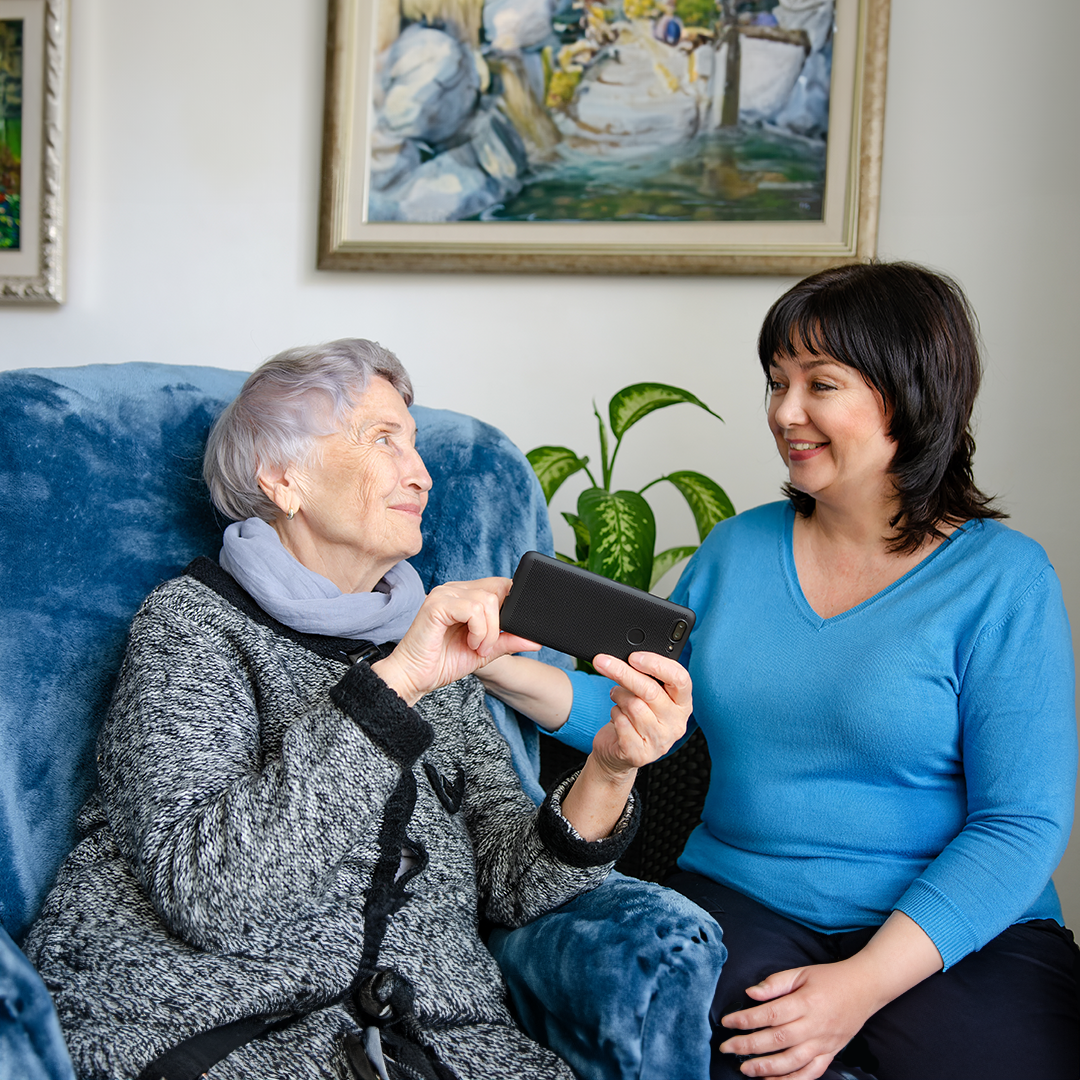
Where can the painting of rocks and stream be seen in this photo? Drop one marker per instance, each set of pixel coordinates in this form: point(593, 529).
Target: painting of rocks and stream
point(600, 110)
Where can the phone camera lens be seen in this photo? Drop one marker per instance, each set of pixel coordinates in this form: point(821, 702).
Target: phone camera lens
point(678, 630)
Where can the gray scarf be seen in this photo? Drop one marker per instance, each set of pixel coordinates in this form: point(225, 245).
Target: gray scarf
point(308, 602)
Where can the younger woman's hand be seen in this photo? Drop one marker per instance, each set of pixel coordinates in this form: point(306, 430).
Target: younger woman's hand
point(651, 706)
point(808, 1014)
point(647, 718)
point(455, 632)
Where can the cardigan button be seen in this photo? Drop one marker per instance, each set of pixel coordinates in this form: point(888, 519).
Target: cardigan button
point(387, 995)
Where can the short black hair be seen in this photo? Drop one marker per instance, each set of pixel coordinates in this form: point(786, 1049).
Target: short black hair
point(912, 335)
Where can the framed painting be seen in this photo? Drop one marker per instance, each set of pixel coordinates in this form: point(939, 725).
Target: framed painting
point(33, 99)
point(602, 136)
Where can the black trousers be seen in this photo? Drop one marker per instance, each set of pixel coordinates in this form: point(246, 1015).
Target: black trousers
point(1010, 1011)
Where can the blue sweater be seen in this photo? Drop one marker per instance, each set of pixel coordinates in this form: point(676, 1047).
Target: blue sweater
point(917, 752)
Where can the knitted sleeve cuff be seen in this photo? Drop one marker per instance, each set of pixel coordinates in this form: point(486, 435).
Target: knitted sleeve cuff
point(567, 844)
point(941, 920)
point(382, 715)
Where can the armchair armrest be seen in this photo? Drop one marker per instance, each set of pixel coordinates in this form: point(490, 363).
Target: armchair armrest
point(618, 981)
point(31, 1046)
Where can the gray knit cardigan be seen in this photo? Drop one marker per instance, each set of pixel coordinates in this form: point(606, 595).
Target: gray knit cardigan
point(243, 854)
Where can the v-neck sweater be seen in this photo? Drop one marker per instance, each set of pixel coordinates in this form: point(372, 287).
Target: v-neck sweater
point(917, 752)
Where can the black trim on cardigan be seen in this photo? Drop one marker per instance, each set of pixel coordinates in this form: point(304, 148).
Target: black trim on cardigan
point(451, 793)
point(379, 712)
point(210, 574)
point(387, 893)
point(563, 841)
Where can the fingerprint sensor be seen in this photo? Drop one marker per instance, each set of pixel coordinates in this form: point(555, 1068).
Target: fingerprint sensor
point(635, 635)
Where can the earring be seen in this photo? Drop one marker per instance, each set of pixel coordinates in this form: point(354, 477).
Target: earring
point(291, 514)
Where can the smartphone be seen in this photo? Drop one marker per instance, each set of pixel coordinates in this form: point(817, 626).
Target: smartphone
point(581, 613)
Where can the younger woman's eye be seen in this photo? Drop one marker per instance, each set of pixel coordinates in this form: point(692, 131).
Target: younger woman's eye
point(823, 386)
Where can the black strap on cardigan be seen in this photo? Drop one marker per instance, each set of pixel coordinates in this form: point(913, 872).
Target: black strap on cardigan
point(192, 1058)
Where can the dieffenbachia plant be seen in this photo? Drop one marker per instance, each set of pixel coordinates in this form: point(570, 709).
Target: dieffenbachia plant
point(615, 531)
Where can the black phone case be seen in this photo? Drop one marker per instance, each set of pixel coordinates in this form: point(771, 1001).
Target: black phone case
point(581, 613)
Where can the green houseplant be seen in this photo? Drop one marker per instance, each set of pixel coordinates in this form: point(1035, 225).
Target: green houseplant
point(615, 531)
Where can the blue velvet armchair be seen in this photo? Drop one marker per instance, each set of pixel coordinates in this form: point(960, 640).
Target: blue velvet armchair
point(103, 499)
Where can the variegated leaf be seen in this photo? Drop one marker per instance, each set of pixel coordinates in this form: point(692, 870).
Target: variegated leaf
point(630, 404)
point(708, 501)
point(552, 465)
point(622, 533)
point(665, 560)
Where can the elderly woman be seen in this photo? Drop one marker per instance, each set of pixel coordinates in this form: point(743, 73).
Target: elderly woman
point(884, 676)
point(304, 807)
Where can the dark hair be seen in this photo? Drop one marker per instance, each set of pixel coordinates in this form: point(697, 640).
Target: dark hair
point(913, 336)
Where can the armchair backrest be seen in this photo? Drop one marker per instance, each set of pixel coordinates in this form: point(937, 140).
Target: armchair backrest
point(100, 474)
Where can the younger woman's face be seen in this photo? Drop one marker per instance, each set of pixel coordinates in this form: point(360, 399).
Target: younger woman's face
point(831, 428)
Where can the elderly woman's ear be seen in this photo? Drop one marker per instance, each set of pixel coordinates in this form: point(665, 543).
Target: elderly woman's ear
point(281, 488)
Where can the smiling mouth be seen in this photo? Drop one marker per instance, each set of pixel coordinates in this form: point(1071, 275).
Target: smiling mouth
point(805, 445)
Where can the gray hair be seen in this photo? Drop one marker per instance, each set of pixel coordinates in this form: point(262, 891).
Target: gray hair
point(285, 405)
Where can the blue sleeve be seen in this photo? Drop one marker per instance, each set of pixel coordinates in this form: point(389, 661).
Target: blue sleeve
point(1017, 716)
point(589, 712)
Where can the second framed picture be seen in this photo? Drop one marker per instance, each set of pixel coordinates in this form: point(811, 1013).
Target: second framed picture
point(33, 92)
point(602, 136)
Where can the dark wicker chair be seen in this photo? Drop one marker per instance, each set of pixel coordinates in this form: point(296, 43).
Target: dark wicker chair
point(672, 793)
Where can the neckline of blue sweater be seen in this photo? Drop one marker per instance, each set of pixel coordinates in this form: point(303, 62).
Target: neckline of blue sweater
point(788, 556)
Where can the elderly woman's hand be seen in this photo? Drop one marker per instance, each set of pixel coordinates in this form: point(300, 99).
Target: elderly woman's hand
point(455, 632)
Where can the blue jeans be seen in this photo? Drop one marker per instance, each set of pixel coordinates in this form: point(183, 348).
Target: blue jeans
point(1008, 1011)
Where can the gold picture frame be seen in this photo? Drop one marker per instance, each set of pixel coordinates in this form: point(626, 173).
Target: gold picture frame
point(32, 272)
point(349, 239)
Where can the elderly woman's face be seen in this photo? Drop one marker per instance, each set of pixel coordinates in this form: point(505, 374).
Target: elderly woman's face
point(362, 497)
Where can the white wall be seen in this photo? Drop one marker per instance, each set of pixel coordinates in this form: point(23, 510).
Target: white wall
point(194, 162)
